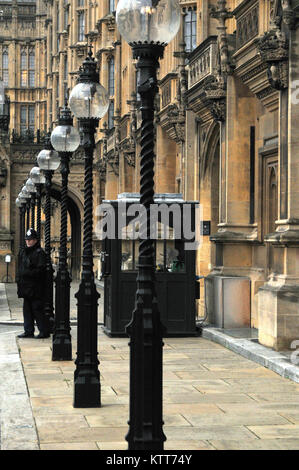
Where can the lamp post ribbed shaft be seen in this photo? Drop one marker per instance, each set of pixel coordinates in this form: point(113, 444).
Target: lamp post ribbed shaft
point(89, 102)
point(22, 225)
point(145, 329)
point(33, 199)
point(65, 139)
point(87, 391)
point(48, 161)
point(61, 341)
point(28, 215)
point(49, 269)
point(38, 208)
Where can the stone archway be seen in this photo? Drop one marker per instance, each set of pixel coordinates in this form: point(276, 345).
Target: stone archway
point(209, 190)
point(75, 209)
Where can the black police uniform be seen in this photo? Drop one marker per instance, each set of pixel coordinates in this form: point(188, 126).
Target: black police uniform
point(31, 286)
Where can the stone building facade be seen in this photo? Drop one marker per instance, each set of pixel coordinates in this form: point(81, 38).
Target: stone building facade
point(226, 132)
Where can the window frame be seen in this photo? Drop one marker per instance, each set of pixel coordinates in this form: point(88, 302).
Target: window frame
point(111, 115)
point(81, 27)
point(27, 122)
point(5, 69)
point(27, 68)
point(111, 6)
point(190, 39)
point(111, 76)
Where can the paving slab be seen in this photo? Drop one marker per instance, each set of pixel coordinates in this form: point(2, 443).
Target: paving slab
point(285, 431)
point(259, 444)
point(70, 446)
point(236, 419)
point(209, 432)
point(57, 434)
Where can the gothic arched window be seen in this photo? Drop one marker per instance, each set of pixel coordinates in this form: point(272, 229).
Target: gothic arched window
point(190, 25)
point(28, 68)
point(81, 26)
point(110, 115)
point(5, 68)
point(24, 70)
point(111, 77)
point(31, 73)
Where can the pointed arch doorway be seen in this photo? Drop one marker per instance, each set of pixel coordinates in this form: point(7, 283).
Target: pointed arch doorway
point(209, 197)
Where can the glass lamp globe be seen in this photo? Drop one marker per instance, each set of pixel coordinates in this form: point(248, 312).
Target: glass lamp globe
point(20, 201)
point(30, 186)
point(21, 198)
point(89, 100)
point(146, 21)
point(36, 175)
point(65, 138)
point(48, 160)
point(25, 193)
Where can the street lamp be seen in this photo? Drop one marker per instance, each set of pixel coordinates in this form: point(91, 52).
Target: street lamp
point(38, 179)
point(26, 195)
point(65, 139)
point(30, 186)
point(89, 102)
point(48, 161)
point(147, 25)
point(21, 204)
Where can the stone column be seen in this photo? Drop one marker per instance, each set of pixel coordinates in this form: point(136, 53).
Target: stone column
point(278, 303)
point(188, 182)
point(236, 233)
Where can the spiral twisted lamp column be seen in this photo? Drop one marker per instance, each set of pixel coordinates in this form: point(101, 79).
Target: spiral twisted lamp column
point(145, 329)
point(87, 389)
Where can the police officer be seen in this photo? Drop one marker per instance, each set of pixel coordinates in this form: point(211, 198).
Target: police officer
point(31, 286)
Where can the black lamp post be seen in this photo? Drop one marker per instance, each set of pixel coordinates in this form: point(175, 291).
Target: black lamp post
point(48, 161)
point(147, 26)
point(38, 179)
point(26, 195)
point(89, 102)
point(21, 204)
point(30, 186)
point(65, 139)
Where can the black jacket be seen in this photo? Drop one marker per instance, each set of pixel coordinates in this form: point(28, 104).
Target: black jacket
point(32, 272)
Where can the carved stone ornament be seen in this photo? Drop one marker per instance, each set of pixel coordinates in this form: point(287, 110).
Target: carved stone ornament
point(112, 159)
point(101, 167)
point(176, 118)
point(273, 48)
point(129, 150)
point(222, 14)
point(215, 93)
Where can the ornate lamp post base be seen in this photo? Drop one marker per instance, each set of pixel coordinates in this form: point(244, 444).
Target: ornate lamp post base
point(87, 388)
point(62, 341)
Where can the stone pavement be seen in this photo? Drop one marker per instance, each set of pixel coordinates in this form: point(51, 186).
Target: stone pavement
point(213, 398)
